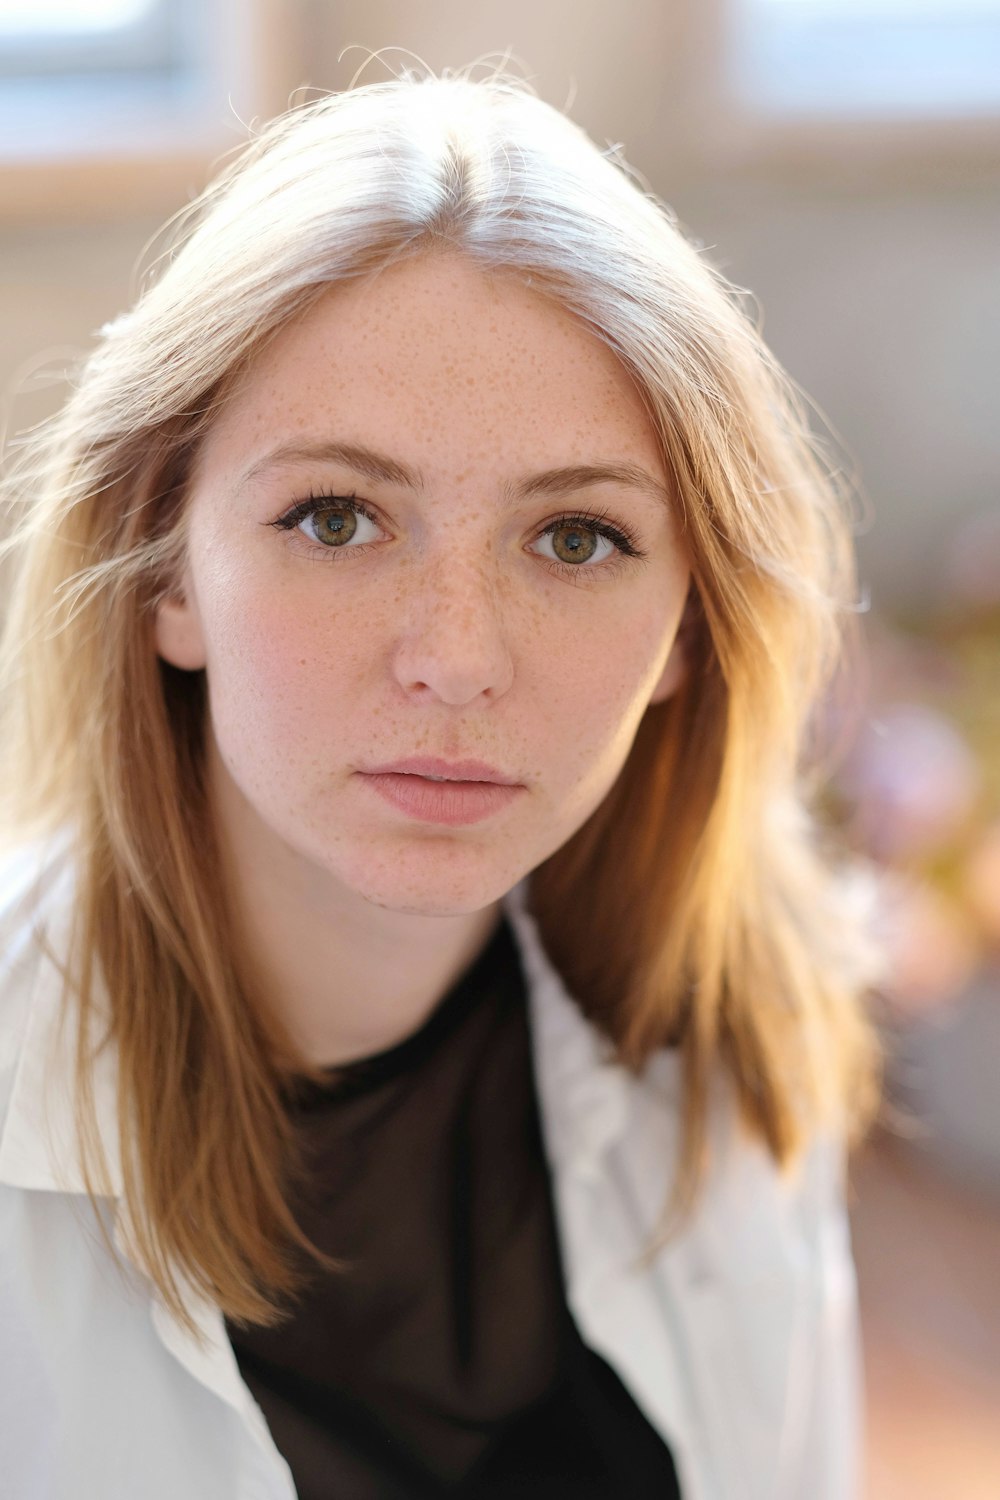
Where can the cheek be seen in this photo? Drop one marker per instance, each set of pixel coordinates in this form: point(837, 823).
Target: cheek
point(273, 665)
point(618, 651)
point(594, 686)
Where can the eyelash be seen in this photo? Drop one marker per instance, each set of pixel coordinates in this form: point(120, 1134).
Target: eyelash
point(620, 535)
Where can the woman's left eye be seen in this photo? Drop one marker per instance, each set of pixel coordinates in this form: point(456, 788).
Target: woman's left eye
point(576, 542)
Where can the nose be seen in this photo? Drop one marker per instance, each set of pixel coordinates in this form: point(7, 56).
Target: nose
point(453, 639)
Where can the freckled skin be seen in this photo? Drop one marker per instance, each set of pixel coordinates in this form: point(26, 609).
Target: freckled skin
point(449, 634)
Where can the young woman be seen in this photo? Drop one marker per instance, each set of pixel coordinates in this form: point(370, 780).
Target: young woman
point(432, 1029)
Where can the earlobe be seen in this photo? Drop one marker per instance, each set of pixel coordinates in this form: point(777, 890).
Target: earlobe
point(679, 661)
point(178, 634)
point(673, 673)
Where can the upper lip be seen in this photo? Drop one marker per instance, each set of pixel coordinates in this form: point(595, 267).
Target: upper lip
point(452, 770)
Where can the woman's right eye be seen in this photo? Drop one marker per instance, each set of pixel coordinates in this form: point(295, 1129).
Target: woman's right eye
point(332, 521)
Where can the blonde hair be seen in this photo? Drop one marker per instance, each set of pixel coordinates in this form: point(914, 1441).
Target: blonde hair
point(697, 906)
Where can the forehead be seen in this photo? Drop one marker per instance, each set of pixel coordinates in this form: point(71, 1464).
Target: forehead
point(438, 361)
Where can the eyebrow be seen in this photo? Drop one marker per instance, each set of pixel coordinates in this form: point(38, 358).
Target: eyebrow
point(383, 470)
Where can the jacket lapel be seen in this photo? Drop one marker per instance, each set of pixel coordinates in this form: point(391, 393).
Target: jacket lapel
point(708, 1337)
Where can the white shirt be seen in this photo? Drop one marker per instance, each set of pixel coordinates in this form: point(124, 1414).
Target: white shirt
point(740, 1341)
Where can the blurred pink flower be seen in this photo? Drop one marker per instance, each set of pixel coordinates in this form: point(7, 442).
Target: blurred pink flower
point(912, 781)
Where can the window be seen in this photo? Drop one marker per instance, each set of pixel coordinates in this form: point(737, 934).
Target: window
point(57, 36)
point(101, 76)
point(105, 103)
point(879, 59)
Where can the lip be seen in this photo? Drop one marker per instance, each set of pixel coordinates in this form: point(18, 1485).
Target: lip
point(450, 770)
point(448, 802)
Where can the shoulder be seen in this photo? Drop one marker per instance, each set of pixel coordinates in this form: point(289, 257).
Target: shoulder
point(32, 875)
point(744, 1186)
point(757, 1222)
point(36, 905)
point(36, 898)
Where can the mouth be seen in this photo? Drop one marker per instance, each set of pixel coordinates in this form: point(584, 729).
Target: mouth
point(434, 769)
point(440, 799)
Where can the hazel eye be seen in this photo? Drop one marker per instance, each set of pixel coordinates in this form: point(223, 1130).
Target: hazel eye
point(576, 544)
point(589, 544)
point(334, 524)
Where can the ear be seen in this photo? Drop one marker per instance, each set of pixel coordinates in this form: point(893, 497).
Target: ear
point(673, 673)
point(679, 661)
point(178, 632)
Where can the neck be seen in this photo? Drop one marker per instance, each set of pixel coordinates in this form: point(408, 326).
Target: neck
point(343, 976)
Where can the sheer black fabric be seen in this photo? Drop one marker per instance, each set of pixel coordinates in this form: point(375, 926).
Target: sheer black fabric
point(443, 1360)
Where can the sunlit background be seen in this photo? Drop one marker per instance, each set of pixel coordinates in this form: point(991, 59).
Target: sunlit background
point(841, 158)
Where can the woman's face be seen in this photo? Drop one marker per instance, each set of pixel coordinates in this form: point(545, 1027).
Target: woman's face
point(450, 609)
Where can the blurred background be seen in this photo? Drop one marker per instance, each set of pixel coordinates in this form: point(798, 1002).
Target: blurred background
point(841, 159)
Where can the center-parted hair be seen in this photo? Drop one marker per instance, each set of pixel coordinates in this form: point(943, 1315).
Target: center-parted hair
point(698, 907)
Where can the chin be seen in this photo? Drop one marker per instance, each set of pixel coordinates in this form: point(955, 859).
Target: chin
point(428, 887)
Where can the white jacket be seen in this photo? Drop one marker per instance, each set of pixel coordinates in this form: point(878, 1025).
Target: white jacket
point(740, 1341)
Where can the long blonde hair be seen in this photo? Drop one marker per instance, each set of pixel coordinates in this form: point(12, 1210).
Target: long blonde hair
point(696, 907)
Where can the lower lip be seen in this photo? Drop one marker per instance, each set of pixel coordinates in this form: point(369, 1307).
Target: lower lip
point(451, 802)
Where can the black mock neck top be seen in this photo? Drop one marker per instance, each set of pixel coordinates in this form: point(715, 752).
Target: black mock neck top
point(443, 1359)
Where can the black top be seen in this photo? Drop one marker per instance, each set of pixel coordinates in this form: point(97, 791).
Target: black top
point(443, 1360)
